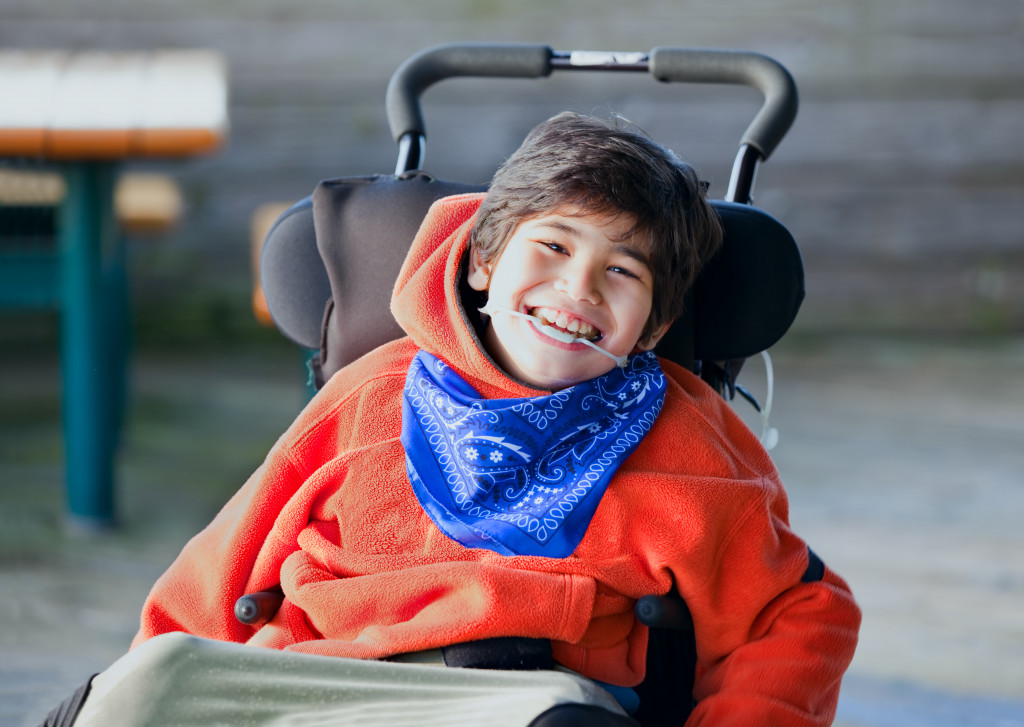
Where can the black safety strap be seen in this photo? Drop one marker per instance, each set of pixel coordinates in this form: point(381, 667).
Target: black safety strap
point(65, 713)
point(505, 652)
point(570, 714)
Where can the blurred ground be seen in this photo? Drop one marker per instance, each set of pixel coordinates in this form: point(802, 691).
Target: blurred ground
point(903, 460)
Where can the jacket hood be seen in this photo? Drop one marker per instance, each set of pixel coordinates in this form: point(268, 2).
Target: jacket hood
point(428, 305)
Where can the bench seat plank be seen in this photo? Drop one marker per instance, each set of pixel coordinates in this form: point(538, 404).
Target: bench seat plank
point(103, 105)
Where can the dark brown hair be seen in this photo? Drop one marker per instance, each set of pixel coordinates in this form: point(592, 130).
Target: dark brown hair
point(609, 168)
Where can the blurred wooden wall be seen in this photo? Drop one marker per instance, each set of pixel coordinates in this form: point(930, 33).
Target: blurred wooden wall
point(903, 177)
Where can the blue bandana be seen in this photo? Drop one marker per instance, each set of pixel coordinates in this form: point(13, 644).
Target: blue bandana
point(522, 476)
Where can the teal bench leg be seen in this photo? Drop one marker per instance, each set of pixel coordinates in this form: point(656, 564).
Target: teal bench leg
point(93, 341)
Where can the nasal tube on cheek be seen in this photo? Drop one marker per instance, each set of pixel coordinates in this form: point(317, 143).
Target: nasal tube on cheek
point(554, 333)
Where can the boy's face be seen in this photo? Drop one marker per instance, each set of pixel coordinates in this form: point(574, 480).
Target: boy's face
point(578, 272)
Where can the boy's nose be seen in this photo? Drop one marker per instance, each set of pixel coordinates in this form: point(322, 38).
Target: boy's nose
point(579, 282)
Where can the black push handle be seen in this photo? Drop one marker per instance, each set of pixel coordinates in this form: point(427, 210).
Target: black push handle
point(745, 68)
point(683, 65)
point(417, 73)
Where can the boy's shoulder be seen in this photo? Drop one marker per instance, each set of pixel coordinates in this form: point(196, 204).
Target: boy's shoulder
point(385, 362)
point(379, 374)
point(697, 428)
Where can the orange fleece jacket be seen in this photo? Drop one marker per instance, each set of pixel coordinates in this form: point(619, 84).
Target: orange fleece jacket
point(331, 517)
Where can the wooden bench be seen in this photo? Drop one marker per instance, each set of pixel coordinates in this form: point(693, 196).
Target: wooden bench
point(146, 205)
point(76, 116)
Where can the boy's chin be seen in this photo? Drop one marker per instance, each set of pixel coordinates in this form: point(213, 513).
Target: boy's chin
point(545, 367)
point(555, 378)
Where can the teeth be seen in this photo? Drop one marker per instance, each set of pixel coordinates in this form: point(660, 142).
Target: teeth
point(560, 320)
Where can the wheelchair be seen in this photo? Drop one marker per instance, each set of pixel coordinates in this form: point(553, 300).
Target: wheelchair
point(328, 264)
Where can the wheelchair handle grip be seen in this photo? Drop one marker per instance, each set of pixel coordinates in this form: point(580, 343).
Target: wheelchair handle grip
point(744, 68)
point(530, 60)
point(422, 70)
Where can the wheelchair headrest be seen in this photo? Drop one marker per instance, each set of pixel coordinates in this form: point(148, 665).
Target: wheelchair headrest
point(341, 249)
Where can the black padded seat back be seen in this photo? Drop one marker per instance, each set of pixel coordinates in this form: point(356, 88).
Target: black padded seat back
point(381, 215)
point(341, 250)
point(748, 295)
point(745, 298)
point(329, 265)
point(293, 276)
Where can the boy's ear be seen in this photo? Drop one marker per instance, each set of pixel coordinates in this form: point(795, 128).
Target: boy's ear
point(479, 273)
point(649, 342)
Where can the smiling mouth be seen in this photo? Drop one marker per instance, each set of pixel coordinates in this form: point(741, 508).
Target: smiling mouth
point(557, 333)
point(560, 321)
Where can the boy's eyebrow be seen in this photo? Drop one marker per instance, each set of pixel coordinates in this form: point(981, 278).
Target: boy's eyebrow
point(623, 247)
point(559, 226)
point(632, 251)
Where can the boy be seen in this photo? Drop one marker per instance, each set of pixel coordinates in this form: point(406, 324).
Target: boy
point(522, 465)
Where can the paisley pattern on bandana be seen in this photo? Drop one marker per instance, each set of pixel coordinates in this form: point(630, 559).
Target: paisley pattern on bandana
point(522, 476)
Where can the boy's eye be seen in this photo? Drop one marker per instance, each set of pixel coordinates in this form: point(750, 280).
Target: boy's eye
point(623, 271)
point(553, 246)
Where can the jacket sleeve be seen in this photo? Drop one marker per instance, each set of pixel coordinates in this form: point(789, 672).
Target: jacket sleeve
point(773, 637)
point(242, 549)
point(196, 594)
